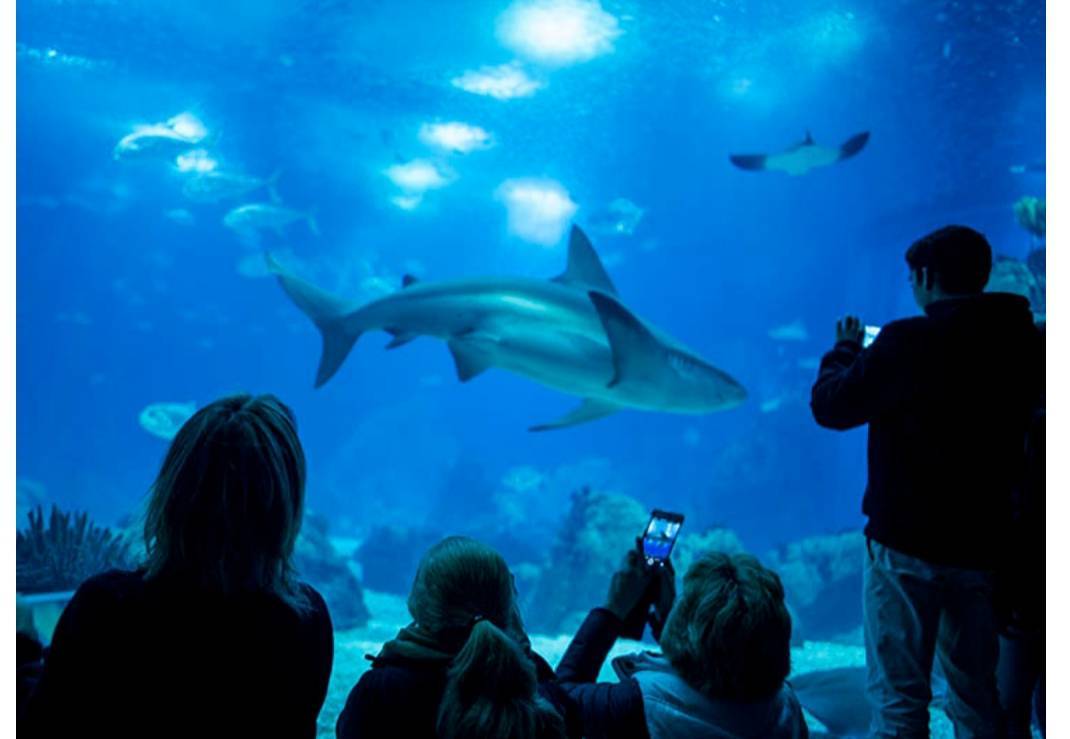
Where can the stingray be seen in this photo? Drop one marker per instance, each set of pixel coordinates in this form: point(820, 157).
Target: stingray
point(802, 157)
point(836, 698)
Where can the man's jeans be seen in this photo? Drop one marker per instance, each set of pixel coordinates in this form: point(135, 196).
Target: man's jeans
point(913, 610)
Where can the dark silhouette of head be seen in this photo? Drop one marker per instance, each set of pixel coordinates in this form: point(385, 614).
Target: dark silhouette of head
point(464, 598)
point(226, 507)
point(729, 632)
point(950, 262)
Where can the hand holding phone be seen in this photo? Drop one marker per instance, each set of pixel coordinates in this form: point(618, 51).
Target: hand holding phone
point(628, 588)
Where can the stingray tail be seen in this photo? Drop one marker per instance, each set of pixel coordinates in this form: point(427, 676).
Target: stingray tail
point(339, 323)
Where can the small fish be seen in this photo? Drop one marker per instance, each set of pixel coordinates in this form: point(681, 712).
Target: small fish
point(250, 218)
point(794, 331)
point(214, 186)
point(165, 419)
point(802, 157)
point(167, 139)
point(1031, 167)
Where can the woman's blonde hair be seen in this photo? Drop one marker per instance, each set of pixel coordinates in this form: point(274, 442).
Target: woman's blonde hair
point(463, 595)
point(226, 507)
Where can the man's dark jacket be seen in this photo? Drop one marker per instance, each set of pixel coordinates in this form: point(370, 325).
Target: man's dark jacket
point(948, 397)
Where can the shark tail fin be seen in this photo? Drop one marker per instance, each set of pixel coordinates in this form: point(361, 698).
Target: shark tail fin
point(853, 145)
point(752, 162)
point(338, 322)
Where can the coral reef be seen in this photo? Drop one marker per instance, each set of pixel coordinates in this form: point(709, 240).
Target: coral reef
point(389, 555)
point(691, 546)
point(70, 549)
point(822, 578)
point(326, 570)
point(1031, 213)
point(597, 531)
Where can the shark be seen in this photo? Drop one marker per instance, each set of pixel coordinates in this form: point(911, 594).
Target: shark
point(802, 157)
point(571, 333)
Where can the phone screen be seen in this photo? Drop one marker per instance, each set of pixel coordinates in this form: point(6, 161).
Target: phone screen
point(870, 335)
point(660, 535)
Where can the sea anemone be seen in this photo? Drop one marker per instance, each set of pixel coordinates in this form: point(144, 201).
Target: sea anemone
point(66, 552)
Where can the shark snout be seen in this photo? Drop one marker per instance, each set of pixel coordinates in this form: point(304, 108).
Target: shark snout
point(729, 392)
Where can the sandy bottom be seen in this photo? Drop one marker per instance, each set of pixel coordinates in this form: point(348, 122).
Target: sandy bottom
point(389, 614)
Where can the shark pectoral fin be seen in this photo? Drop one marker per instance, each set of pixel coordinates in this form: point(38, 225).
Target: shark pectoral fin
point(635, 349)
point(751, 162)
point(468, 359)
point(401, 338)
point(584, 268)
point(589, 410)
point(853, 145)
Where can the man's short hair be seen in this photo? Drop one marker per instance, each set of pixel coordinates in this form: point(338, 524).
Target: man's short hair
point(958, 258)
point(729, 633)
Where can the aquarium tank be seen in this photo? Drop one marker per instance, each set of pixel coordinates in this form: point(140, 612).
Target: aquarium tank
point(525, 270)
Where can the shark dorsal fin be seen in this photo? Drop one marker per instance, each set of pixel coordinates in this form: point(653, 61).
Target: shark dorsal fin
point(407, 280)
point(631, 342)
point(584, 267)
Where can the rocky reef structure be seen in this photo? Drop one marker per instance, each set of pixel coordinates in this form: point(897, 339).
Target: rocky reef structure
point(389, 555)
point(822, 578)
point(325, 569)
point(596, 532)
point(691, 546)
point(69, 549)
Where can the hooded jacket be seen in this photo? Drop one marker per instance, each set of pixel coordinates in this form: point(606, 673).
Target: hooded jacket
point(948, 397)
point(400, 695)
point(652, 701)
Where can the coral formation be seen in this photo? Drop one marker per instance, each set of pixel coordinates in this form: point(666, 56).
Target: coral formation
point(320, 564)
point(822, 578)
point(598, 529)
point(691, 546)
point(1031, 215)
point(68, 550)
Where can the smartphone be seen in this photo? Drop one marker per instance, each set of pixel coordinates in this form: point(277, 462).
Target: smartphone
point(660, 536)
point(870, 335)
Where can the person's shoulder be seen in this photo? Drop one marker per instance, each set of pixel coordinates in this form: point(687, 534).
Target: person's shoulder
point(112, 584)
point(912, 325)
point(316, 602)
point(388, 683)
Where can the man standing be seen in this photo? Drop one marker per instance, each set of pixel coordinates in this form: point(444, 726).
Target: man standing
point(948, 397)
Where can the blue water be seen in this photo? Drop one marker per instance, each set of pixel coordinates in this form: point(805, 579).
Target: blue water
point(120, 305)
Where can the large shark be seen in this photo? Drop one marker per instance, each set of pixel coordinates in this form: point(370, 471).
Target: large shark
point(571, 333)
point(802, 157)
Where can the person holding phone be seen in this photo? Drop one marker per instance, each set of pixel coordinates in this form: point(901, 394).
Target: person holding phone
point(725, 654)
point(948, 397)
